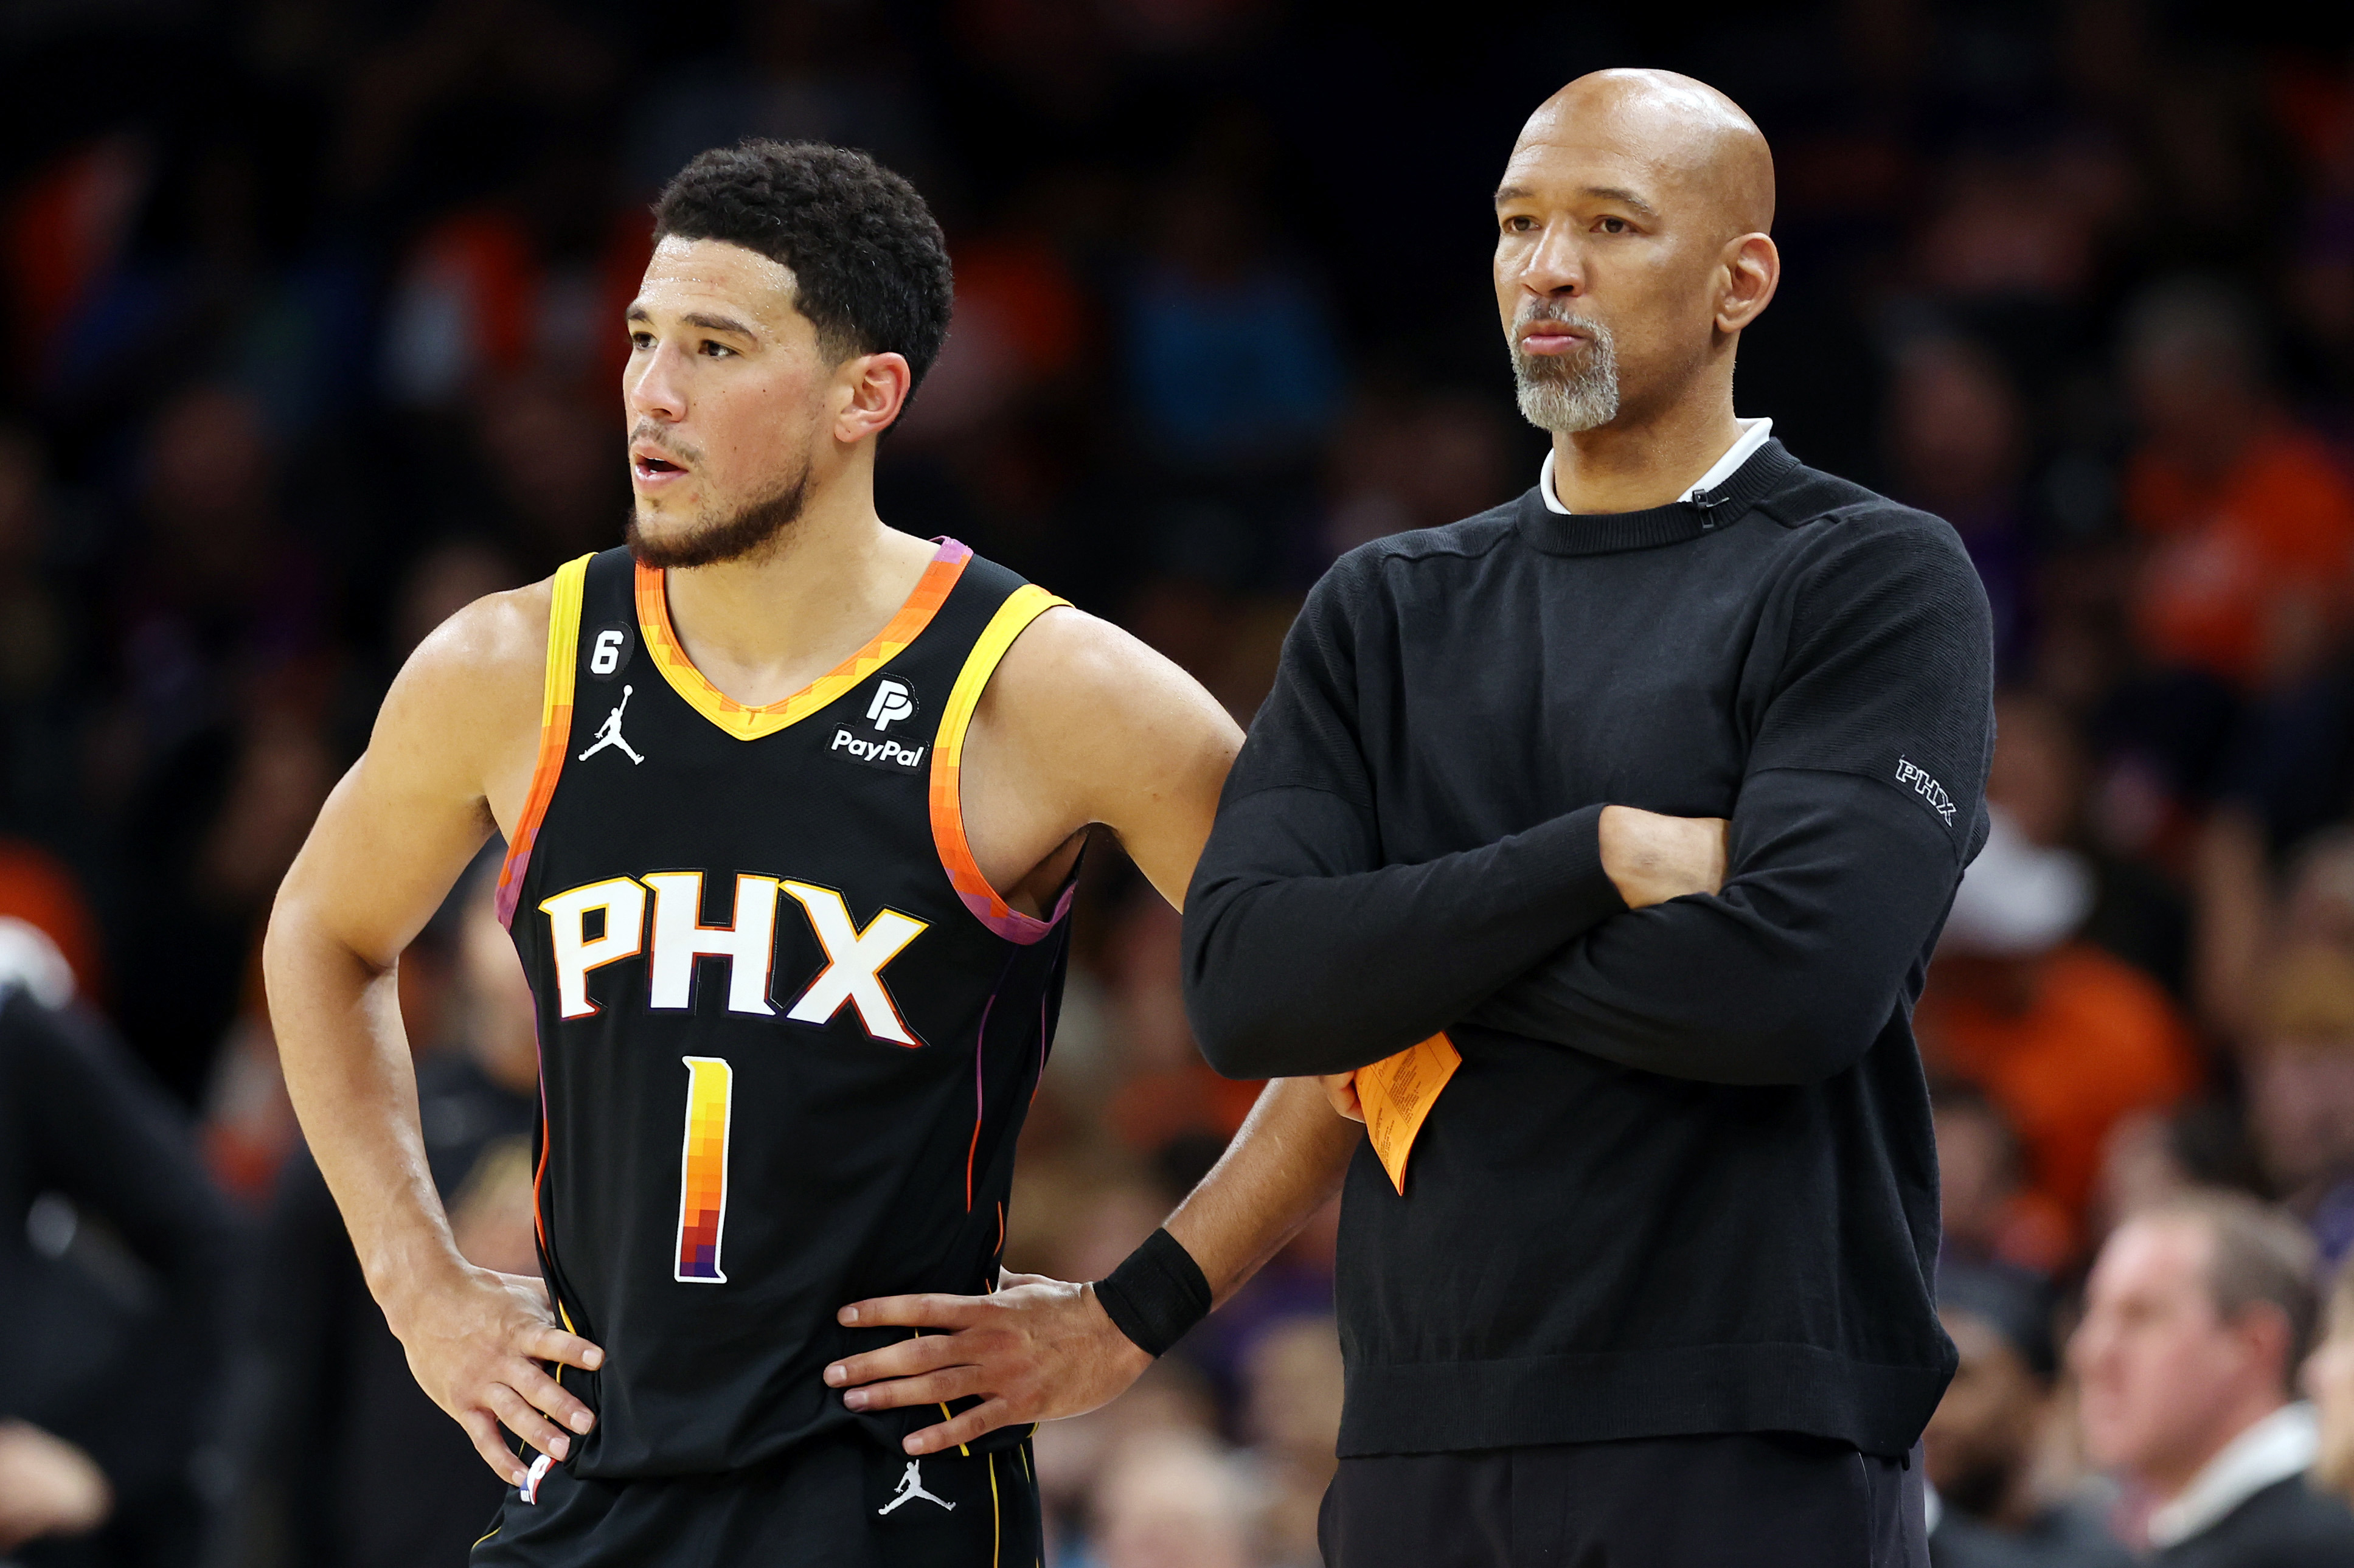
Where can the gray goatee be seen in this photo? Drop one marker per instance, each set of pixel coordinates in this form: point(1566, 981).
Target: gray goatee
point(1568, 393)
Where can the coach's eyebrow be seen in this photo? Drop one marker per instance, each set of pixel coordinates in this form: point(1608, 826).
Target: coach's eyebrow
point(1624, 198)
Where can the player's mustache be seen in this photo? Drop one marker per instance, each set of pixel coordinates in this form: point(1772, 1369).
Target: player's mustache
point(649, 433)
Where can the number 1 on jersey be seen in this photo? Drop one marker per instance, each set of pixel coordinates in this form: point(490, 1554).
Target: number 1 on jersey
point(703, 1169)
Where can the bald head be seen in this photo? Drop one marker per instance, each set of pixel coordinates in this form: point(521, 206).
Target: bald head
point(1697, 142)
point(1631, 250)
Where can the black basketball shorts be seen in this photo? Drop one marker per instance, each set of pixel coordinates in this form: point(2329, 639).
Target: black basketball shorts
point(845, 1504)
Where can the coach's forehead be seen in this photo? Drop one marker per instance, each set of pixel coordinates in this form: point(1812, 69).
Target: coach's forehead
point(1682, 139)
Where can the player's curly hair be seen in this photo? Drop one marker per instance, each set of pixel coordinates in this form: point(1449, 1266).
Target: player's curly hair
point(870, 263)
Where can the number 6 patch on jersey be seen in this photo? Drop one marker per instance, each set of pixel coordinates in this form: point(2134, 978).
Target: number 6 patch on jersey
point(702, 1170)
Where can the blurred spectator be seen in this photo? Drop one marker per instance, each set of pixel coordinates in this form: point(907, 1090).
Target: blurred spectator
point(1989, 1215)
point(116, 1260)
point(47, 1486)
point(1233, 360)
point(2299, 1072)
point(1170, 1090)
point(2062, 1036)
point(2039, 778)
point(2250, 525)
point(344, 1458)
point(1173, 1501)
point(38, 890)
point(1421, 462)
point(2330, 1382)
point(536, 281)
point(2196, 1319)
point(557, 466)
point(1983, 1442)
point(1292, 1417)
point(1958, 447)
point(1076, 1458)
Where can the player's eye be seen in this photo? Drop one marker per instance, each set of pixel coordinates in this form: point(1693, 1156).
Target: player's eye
point(642, 340)
point(1613, 225)
point(1520, 223)
point(717, 350)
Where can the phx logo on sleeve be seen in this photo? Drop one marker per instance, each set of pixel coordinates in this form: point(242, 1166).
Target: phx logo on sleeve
point(883, 737)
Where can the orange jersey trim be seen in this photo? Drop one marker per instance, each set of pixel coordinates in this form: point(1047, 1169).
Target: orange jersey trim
point(750, 722)
point(555, 729)
point(1024, 605)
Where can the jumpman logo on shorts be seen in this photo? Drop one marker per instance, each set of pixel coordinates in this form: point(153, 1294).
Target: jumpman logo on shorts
point(911, 1487)
point(610, 733)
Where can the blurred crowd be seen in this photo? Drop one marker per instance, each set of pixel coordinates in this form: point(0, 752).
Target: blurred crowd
point(317, 338)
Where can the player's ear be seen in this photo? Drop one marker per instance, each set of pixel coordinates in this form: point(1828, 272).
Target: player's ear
point(875, 388)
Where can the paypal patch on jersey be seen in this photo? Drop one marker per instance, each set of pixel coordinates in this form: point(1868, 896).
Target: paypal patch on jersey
point(884, 738)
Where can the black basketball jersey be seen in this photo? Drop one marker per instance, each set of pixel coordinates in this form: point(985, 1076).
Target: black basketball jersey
point(787, 1032)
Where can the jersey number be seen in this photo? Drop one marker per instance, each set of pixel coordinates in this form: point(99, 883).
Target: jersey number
point(702, 1170)
point(606, 657)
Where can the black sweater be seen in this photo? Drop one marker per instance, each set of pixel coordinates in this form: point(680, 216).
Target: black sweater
point(1684, 1180)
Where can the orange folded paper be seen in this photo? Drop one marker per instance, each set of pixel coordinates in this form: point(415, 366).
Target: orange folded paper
point(1398, 1092)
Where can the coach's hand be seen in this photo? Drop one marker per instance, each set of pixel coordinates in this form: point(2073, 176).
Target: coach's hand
point(1653, 858)
point(1037, 1350)
point(475, 1342)
point(1341, 1088)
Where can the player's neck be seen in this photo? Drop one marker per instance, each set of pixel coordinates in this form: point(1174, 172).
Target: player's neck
point(763, 627)
point(1645, 458)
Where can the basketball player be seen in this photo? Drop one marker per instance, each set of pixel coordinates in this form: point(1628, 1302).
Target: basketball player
point(793, 804)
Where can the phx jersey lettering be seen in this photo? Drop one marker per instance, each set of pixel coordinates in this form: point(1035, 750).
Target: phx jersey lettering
point(787, 1030)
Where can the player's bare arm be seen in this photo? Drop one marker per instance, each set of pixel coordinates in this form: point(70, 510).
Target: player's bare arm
point(1082, 725)
point(451, 757)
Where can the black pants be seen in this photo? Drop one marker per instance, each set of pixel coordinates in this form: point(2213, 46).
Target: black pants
point(1741, 1500)
point(833, 1505)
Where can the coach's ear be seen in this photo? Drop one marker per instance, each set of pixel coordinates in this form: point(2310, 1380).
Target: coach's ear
point(1751, 272)
point(870, 389)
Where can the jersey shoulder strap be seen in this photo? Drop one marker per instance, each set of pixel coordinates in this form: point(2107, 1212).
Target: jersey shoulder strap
point(554, 727)
point(1021, 604)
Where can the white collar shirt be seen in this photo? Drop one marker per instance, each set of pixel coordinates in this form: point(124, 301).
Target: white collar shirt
point(2282, 1445)
point(1753, 434)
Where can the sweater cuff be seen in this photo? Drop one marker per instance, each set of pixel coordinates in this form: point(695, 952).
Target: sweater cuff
point(1575, 854)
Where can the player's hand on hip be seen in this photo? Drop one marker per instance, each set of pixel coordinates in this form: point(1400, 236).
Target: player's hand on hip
point(1651, 858)
point(1341, 1088)
point(476, 1342)
point(1037, 1350)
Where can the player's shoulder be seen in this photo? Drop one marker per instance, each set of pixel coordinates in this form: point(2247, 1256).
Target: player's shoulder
point(490, 657)
point(1068, 661)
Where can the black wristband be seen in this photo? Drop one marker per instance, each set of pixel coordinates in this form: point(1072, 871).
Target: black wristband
point(1157, 1294)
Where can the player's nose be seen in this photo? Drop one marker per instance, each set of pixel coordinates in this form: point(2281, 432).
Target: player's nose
point(651, 387)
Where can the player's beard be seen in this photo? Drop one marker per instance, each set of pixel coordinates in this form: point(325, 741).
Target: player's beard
point(1566, 393)
point(749, 530)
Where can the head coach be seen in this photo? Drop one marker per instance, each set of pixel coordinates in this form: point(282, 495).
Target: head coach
point(1656, 1286)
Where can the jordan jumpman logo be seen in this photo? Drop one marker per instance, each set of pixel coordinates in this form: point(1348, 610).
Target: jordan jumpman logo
point(610, 733)
point(911, 1487)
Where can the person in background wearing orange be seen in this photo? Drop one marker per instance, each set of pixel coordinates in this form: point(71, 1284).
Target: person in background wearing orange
point(2248, 521)
point(2063, 1037)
